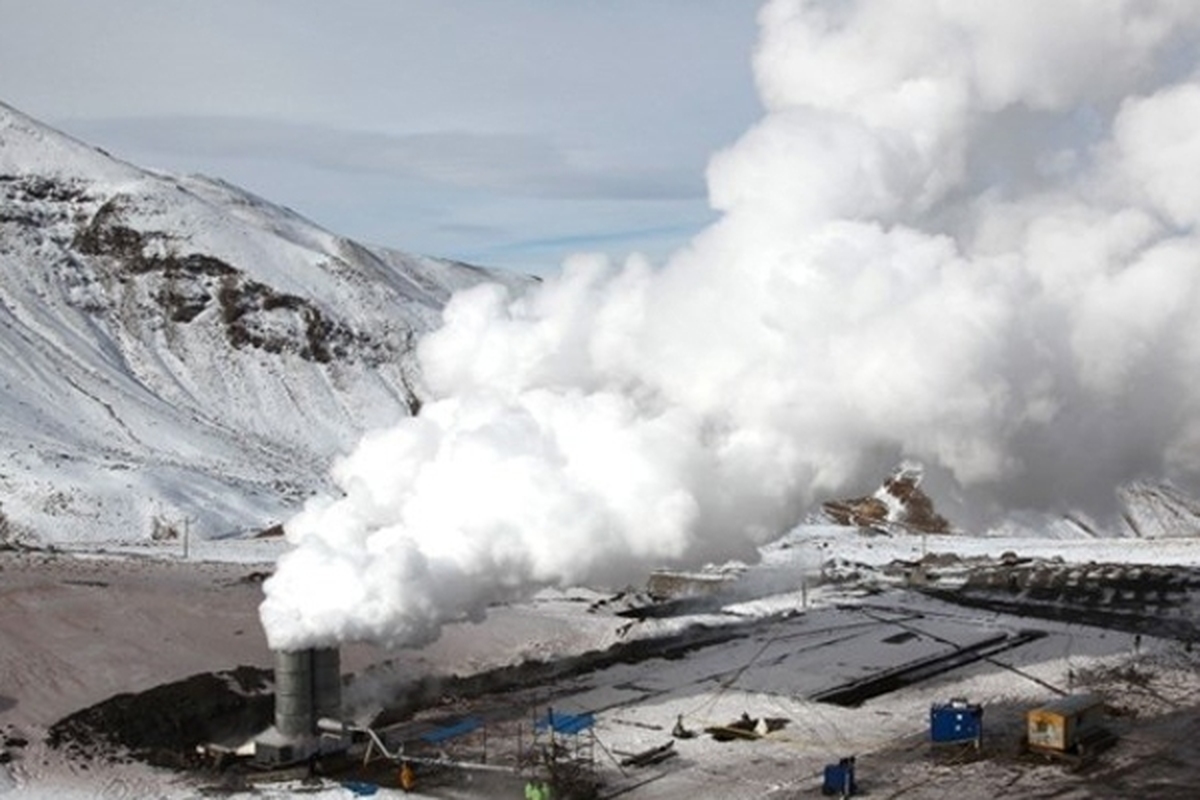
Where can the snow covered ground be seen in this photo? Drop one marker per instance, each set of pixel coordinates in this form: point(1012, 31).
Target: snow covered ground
point(77, 628)
point(831, 541)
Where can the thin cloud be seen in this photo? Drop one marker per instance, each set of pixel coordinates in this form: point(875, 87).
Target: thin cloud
point(600, 238)
point(516, 163)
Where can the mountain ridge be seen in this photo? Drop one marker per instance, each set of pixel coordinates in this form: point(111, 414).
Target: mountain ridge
point(178, 348)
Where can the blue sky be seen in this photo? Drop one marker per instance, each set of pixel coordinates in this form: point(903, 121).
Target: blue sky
point(501, 132)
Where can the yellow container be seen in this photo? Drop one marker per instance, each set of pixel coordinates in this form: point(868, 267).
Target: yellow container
point(1059, 726)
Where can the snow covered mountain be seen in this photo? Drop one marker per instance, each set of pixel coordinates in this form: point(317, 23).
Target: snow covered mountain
point(175, 350)
point(899, 503)
point(1148, 511)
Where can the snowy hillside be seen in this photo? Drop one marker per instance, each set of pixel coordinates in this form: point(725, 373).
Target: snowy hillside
point(176, 352)
point(1148, 510)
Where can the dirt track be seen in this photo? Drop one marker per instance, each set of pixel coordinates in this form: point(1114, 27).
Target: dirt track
point(75, 631)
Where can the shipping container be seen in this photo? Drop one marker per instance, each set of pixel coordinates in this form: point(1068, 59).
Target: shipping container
point(1065, 725)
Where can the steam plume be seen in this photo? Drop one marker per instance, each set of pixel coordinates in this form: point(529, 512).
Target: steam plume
point(963, 233)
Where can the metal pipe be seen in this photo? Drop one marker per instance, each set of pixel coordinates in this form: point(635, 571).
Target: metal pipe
point(333, 726)
point(327, 683)
point(294, 716)
point(308, 686)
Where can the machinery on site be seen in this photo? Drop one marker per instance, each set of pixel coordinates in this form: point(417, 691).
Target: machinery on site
point(1070, 728)
point(840, 779)
point(956, 723)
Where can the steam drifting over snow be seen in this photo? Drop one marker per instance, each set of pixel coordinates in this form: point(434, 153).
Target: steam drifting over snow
point(964, 234)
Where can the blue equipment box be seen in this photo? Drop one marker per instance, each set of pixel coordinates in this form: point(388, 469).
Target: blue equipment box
point(956, 722)
point(839, 778)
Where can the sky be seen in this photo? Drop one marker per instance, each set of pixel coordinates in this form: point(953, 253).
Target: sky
point(505, 133)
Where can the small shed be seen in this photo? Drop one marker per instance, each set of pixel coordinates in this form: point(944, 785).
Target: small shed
point(956, 722)
point(839, 778)
point(1063, 725)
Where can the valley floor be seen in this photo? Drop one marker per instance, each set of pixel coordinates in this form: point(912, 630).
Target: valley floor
point(77, 629)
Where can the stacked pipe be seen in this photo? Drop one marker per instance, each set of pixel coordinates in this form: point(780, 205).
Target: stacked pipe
point(308, 688)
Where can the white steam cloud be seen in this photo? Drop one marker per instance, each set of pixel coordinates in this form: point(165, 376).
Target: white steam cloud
point(963, 233)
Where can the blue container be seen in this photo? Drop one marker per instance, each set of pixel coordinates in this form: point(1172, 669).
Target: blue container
point(839, 778)
point(956, 722)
